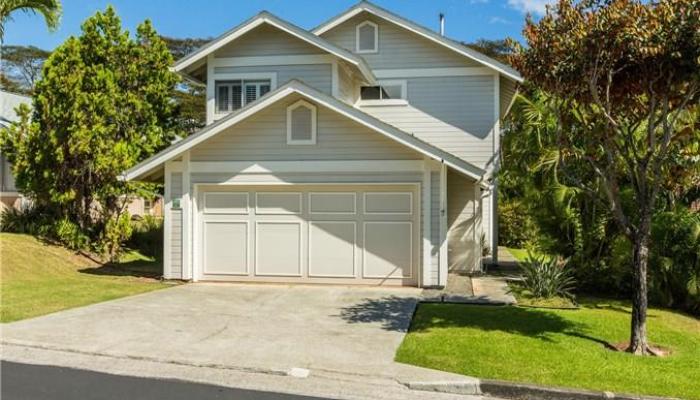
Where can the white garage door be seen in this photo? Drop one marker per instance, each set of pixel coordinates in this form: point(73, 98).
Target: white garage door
point(301, 233)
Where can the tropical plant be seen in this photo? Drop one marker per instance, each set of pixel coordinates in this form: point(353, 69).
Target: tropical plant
point(50, 9)
point(103, 103)
point(622, 73)
point(547, 277)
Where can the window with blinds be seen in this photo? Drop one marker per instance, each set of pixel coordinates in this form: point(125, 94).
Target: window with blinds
point(232, 95)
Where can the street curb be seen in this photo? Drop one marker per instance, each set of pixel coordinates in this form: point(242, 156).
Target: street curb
point(519, 391)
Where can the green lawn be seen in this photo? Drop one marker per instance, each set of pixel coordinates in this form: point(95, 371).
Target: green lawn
point(38, 279)
point(556, 347)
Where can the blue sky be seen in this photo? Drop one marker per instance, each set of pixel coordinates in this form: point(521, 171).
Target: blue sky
point(466, 20)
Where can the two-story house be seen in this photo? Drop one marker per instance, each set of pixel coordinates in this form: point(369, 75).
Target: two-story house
point(362, 151)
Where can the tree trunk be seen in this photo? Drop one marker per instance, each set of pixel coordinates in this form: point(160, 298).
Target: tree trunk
point(638, 338)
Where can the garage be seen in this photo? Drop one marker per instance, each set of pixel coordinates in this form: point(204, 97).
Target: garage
point(363, 234)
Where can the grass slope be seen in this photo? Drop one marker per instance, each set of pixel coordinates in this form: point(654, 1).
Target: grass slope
point(556, 347)
point(37, 279)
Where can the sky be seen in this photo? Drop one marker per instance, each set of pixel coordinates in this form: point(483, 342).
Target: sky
point(465, 20)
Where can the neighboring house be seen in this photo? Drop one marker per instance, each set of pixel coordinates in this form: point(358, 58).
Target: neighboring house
point(363, 151)
point(10, 197)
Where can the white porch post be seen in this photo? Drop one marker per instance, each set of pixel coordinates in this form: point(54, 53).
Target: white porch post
point(442, 276)
point(167, 223)
point(186, 218)
point(427, 224)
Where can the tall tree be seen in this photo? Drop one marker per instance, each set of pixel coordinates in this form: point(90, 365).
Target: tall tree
point(50, 9)
point(190, 97)
point(22, 64)
point(103, 104)
point(622, 73)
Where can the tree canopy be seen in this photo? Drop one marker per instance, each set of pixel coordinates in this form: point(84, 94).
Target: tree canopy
point(621, 77)
point(103, 104)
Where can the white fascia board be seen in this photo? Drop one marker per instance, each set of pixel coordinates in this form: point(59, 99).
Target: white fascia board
point(421, 31)
point(433, 72)
point(267, 18)
point(327, 101)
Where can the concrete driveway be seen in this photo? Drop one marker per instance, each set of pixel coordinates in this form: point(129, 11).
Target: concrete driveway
point(266, 328)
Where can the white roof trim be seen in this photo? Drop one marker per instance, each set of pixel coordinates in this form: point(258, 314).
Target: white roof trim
point(267, 18)
point(147, 166)
point(424, 32)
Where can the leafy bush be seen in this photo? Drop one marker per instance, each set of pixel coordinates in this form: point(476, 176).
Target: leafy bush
point(147, 236)
point(70, 234)
point(515, 225)
point(116, 231)
point(547, 277)
point(674, 264)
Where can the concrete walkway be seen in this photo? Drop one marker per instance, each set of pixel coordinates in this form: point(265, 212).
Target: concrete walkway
point(472, 290)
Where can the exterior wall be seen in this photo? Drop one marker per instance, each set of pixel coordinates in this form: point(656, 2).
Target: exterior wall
point(266, 40)
point(263, 137)
point(506, 93)
point(318, 76)
point(464, 221)
point(346, 85)
point(175, 216)
point(398, 47)
point(466, 102)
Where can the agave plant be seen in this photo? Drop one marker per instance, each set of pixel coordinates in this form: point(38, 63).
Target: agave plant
point(547, 277)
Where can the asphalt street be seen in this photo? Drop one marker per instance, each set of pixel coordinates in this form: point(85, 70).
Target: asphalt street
point(39, 382)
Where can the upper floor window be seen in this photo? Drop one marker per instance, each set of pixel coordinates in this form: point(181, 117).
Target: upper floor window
point(367, 38)
point(232, 95)
point(386, 90)
point(301, 123)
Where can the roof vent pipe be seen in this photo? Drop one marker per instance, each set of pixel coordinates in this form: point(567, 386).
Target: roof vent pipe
point(442, 24)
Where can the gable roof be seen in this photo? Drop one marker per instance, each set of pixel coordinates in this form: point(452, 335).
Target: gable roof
point(148, 166)
point(365, 6)
point(8, 102)
point(265, 17)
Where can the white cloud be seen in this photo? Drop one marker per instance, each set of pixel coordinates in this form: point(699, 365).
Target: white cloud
point(530, 6)
point(499, 20)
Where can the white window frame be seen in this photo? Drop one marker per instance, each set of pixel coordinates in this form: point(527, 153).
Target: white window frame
point(290, 109)
point(376, 38)
point(386, 102)
point(242, 77)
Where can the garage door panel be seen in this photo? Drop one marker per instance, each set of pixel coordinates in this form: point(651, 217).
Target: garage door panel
point(278, 248)
point(388, 251)
point(226, 248)
point(332, 248)
point(278, 203)
point(225, 203)
point(400, 203)
point(336, 203)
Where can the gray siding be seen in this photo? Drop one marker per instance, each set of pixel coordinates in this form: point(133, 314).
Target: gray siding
point(506, 92)
point(346, 85)
point(466, 102)
point(263, 137)
point(318, 76)
point(176, 228)
point(464, 223)
point(266, 40)
point(398, 47)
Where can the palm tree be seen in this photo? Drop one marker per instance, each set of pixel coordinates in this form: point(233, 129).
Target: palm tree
point(50, 9)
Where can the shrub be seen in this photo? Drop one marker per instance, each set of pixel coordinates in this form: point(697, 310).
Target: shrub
point(547, 277)
point(147, 236)
point(30, 220)
point(70, 234)
point(515, 225)
point(116, 231)
point(674, 264)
